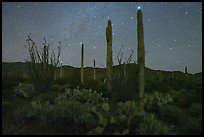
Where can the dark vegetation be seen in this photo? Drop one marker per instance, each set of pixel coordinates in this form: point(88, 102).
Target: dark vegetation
point(172, 103)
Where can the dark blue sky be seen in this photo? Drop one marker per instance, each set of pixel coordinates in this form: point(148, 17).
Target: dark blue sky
point(172, 31)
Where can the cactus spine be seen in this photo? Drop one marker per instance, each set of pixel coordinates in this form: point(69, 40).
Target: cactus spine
point(82, 64)
point(141, 53)
point(94, 71)
point(109, 61)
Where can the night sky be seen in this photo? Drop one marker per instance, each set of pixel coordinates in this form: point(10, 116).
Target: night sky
point(172, 32)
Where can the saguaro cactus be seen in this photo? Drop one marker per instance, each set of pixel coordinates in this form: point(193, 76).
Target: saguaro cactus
point(186, 70)
point(141, 53)
point(94, 71)
point(109, 61)
point(61, 69)
point(82, 64)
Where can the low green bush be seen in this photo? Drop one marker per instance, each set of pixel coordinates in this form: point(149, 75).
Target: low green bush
point(153, 101)
point(152, 126)
point(171, 114)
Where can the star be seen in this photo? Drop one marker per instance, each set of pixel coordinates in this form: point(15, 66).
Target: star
point(174, 40)
point(186, 13)
point(131, 18)
point(138, 7)
point(149, 19)
point(94, 47)
point(170, 48)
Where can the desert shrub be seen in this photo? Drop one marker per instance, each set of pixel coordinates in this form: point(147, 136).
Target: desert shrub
point(59, 88)
point(152, 126)
point(192, 126)
point(74, 109)
point(171, 114)
point(94, 85)
point(195, 109)
point(119, 119)
point(81, 111)
point(84, 96)
point(152, 102)
point(9, 84)
point(25, 90)
point(184, 98)
point(126, 118)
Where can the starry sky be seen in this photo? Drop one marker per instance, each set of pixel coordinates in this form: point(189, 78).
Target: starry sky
point(172, 31)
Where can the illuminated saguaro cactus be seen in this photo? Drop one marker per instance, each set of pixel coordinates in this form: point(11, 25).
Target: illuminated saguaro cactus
point(109, 61)
point(141, 53)
point(82, 64)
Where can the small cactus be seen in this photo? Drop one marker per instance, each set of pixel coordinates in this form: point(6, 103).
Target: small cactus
point(186, 70)
point(61, 69)
point(94, 76)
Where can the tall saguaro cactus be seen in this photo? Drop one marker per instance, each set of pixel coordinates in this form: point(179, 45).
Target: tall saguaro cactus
point(82, 64)
point(94, 76)
point(109, 61)
point(141, 53)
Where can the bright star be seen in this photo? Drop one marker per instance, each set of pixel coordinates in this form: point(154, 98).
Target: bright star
point(149, 19)
point(138, 7)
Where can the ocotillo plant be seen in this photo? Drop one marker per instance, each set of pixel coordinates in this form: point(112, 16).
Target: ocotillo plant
point(94, 76)
point(141, 53)
point(109, 61)
point(43, 65)
point(82, 64)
